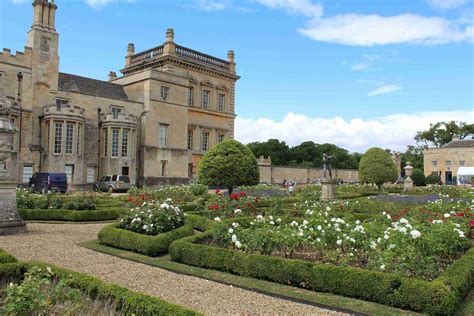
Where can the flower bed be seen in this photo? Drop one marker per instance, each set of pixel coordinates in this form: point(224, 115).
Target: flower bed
point(440, 296)
point(152, 246)
point(69, 215)
point(179, 193)
point(112, 298)
point(28, 200)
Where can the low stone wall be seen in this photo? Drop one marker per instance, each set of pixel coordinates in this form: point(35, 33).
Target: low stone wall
point(276, 174)
point(161, 181)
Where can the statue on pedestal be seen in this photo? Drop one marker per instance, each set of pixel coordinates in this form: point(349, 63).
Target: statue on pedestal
point(328, 189)
point(327, 164)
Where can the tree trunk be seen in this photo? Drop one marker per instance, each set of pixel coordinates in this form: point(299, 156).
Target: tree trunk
point(230, 189)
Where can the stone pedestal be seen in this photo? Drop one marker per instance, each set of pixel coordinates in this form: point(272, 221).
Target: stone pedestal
point(10, 221)
point(328, 189)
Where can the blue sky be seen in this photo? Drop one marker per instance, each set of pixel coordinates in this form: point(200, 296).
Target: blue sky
point(362, 61)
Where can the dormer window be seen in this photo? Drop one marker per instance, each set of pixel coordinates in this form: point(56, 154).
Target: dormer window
point(115, 112)
point(60, 103)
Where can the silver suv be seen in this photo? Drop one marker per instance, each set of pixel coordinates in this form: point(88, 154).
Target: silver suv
point(113, 183)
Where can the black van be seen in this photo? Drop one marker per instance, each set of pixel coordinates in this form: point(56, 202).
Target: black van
point(46, 181)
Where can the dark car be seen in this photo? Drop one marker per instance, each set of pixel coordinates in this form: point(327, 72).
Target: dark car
point(45, 182)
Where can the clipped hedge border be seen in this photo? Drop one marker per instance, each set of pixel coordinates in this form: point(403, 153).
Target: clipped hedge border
point(126, 302)
point(5, 257)
point(69, 215)
point(439, 297)
point(199, 222)
point(151, 246)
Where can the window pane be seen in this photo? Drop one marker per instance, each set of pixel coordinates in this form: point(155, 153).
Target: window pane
point(90, 174)
point(79, 141)
point(220, 138)
point(115, 139)
point(27, 172)
point(221, 106)
point(205, 141)
point(205, 99)
point(163, 136)
point(58, 134)
point(125, 143)
point(106, 141)
point(191, 96)
point(164, 93)
point(69, 138)
point(190, 139)
point(69, 171)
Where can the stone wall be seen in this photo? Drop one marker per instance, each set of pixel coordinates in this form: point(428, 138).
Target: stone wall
point(276, 174)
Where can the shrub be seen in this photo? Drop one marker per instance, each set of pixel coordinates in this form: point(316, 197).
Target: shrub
point(432, 179)
point(124, 301)
point(153, 218)
point(229, 164)
point(153, 246)
point(6, 257)
point(376, 166)
point(68, 215)
point(418, 178)
point(28, 200)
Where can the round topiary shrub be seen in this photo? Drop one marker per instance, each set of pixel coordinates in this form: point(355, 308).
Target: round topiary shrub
point(229, 164)
point(432, 179)
point(418, 178)
point(376, 166)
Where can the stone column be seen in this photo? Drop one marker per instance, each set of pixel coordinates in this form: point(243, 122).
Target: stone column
point(408, 182)
point(328, 189)
point(10, 221)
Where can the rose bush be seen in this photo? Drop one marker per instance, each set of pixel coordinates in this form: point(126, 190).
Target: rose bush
point(153, 218)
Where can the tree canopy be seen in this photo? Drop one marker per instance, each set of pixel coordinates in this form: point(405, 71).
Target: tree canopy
point(377, 167)
point(441, 133)
point(229, 164)
point(307, 154)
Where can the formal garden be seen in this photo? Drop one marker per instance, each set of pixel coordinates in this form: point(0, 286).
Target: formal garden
point(374, 249)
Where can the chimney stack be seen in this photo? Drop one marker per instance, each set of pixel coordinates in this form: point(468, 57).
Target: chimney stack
point(112, 75)
point(44, 14)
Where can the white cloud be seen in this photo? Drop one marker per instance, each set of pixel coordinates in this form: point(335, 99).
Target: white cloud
point(211, 5)
point(384, 89)
point(448, 4)
point(360, 66)
point(96, 4)
point(368, 30)
point(304, 7)
point(392, 131)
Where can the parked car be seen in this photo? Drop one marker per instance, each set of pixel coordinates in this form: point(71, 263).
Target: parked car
point(113, 183)
point(45, 182)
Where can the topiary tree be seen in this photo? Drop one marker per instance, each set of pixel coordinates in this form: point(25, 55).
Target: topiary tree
point(418, 177)
point(229, 164)
point(432, 179)
point(376, 166)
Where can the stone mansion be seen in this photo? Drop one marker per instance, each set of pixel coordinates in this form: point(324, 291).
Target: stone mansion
point(154, 123)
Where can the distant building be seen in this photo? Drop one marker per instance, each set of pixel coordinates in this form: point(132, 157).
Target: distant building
point(445, 161)
point(154, 123)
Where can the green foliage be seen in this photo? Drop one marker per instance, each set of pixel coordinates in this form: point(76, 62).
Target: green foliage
point(414, 155)
point(69, 215)
point(439, 297)
point(229, 164)
point(376, 166)
point(153, 218)
point(418, 177)
point(306, 154)
point(124, 301)
point(152, 246)
point(200, 223)
point(178, 193)
point(28, 200)
point(441, 133)
point(39, 295)
point(6, 257)
point(432, 179)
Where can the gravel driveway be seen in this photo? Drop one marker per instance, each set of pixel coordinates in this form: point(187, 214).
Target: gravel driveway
point(56, 244)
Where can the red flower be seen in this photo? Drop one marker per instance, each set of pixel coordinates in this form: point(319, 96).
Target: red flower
point(217, 191)
point(129, 198)
point(242, 193)
point(459, 214)
point(471, 223)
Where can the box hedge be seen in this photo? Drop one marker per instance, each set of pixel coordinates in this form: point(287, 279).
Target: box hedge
point(126, 302)
point(439, 297)
point(199, 222)
point(153, 246)
point(6, 257)
point(70, 215)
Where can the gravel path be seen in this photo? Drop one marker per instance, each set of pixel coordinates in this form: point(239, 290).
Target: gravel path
point(56, 244)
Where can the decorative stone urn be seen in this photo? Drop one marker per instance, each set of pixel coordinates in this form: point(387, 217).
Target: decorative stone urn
point(10, 221)
point(408, 182)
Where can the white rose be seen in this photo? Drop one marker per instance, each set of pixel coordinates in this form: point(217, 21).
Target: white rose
point(415, 234)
